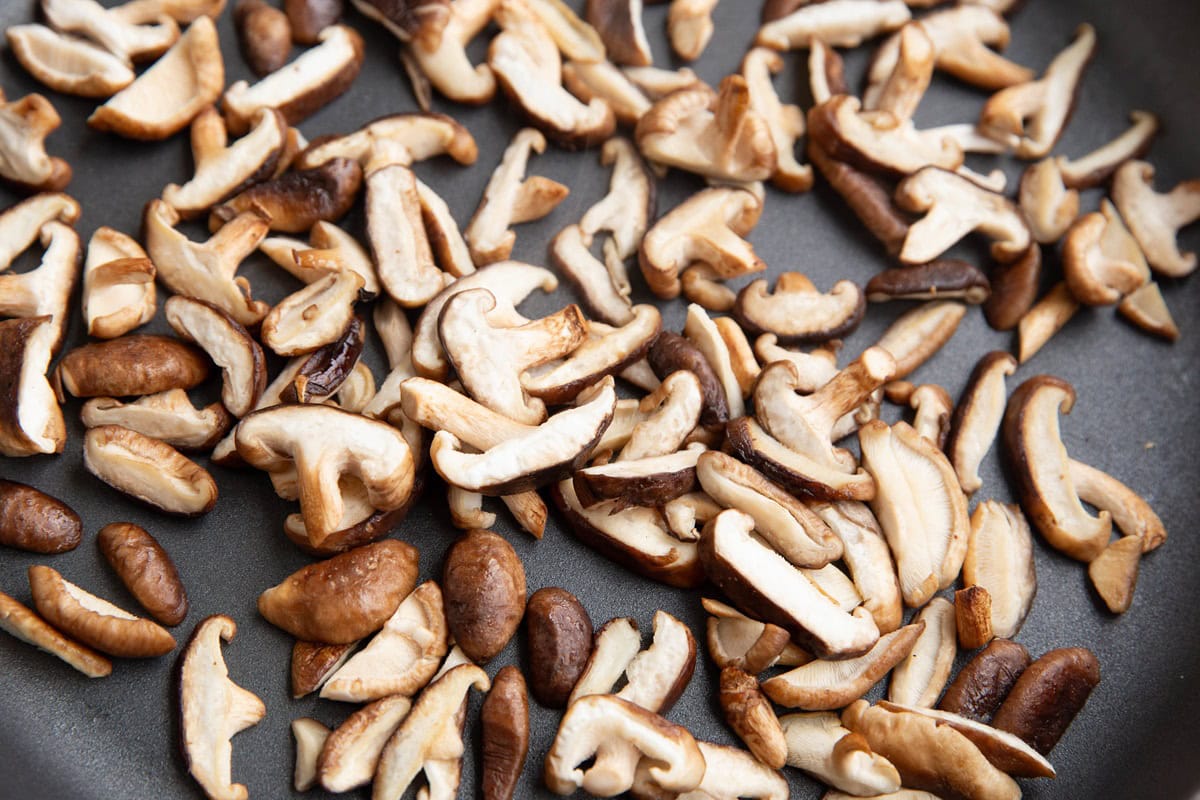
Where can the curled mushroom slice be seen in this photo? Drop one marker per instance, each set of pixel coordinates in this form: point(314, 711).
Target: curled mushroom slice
point(409, 137)
point(797, 313)
point(127, 40)
point(329, 249)
point(917, 335)
point(1130, 513)
point(68, 64)
point(866, 555)
point(1145, 308)
point(148, 470)
point(928, 538)
point(867, 196)
point(912, 53)
point(228, 344)
point(826, 72)
point(361, 523)
point(657, 676)
point(838, 23)
point(1155, 219)
point(323, 371)
point(21, 224)
point(625, 211)
point(795, 471)
point(206, 271)
point(24, 126)
point(1040, 464)
point(918, 680)
point(600, 294)
point(46, 290)
point(708, 227)
point(1101, 260)
point(955, 206)
point(730, 774)
point(95, 621)
point(651, 481)
point(619, 25)
point(577, 39)
point(750, 715)
point(616, 644)
point(221, 169)
point(351, 752)
point(977, 418)
point(524, 58)
point(878, 141)
point(735, 640)
point(1000, 559)
point(1049, 206)
point(445, 63)
point(948, 278)
point(168, 416)
point(213, 709)
point(1098, 166)
point(818, 744)
point(310, 737)
point(168, 96)
point(1014, 289)
point(1044, 319)
point(721, 136)
point(313, 317)
point(931, 407)
point(1034, 114)
point(312, 81)
point(703, 333)
point(118, 284)
point(690, 26)
point(27, 626)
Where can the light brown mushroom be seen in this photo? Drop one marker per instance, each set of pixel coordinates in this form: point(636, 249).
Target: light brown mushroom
point(397, 235)
point(1155, 219)
point(27, 626)
point(619, 24)
point(1000, 560)
point(1099, 165)
point(46, 290)
point(867, 557)
point(1114, 573)
point(168, 416)
point(184, 12)
point(213, 709)
point(68, 64)
point(228, 344)
point(793, 470)
point(750, 715)
point(296, 200)
point(148, 470)
point(24, 163)
point(730, 774)
point(1102, 261)
point(1145, 308)
point(735, 640)
point(656, 676)
point(818, 744)
point(1046, 318)
point(314, 316)
point(351, 753)
point(690, 27)
point(944, 278)
point(321, 373)
point(601, 294)
point(1014, 289)
point(912, 53)
point(21, 223)
point(1130, 513)
point(839, 23)
point(310, 736)
point(826, 72)
point(931, 407)
point(578, 40)
point(662, 421)
point(118, 284)
point(977, 417)
point(168, 96)
point(918, 680)
point(658, 82)
point(1049, 206)
point(604, 81)
point(624, 212)
point(797, 313)
point(955, 206)
point(127, 40)
point(445, 64)
point(878, 141)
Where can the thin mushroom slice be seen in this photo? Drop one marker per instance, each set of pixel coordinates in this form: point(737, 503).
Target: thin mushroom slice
point(823, 685)
point(735, 640)
point(206, 271)
point(652, 481)
point(1099, 165)
point(1035, 451)
point(213, 709)
point(319, 76)
point(838, 23)
point(690, 26)
point(818, 744)
point(577, 39)
point(702, 286)
point(168, 96)
point(619, 25)
point(625, 211)
point(313, 317)
point(1000, 559)
point(730, 774)
point(878, 141)
point(742, 360)
point(868, 559)
point(408, 137)
point(661, 422)
point(1114, 573)
point(918, 680)
point(1034, 114)
point(24, 126)
point(20, 622)
point(615, 645)
point(798, 472)
point(1155, 219)
point(1046, 318)
point(329, 249)
point(1102, 261)
point(749, 713)
point(46, 290)
point(466, 510)
point(409, 20)
point(324, 370)
point(606, 82)
point(21, 224)
point(68, 64)
point(977, 417)
point(296, 200)
point(931, 407)
point(868, 196)
point(1130, 513)
point(445, 64)
point(600, 293)
point(913, 54)
point(398, 238)
point(230, 346)
point(351, 753)
point(1145, 308)
point(310, 737)
point(657, 676)
point(918, 334)
point(148, 470)
point(1014, 289)
point(703, 333)
point(168, 416)
point(797, 313)
point(658, 82)
point(1049, 206)
point(944, 278)
point(954, 206)
point(184, 12)
point(118, 284)
point(814, 368)
point(826, 72)
point(126, 40)
point(358, 390)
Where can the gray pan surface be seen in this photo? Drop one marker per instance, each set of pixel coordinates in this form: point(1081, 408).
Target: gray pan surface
point(1137, 416)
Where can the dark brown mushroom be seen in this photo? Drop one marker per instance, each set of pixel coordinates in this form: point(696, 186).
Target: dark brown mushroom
point(131, 365)
point(1014, 289)
point(310, 17)
point(36, 522)
point(619, 23)
point(264, 34)
point(296, 201)
point(672, 352)
point(504, 719)
point(948, 278)
point(984, 681)
point(1048, 695)
point(867, 196)
point(323, 372)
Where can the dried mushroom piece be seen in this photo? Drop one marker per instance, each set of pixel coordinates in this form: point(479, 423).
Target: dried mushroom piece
point(838, 23)
point(977, 417)
point(1000, 560)
point(406, 138)
point(139, 364)
point(296, 200)
point(1145, 308)
point(1049, 206)
point(351, 753)
point(24, 163)
point(46, 290)
point(68, 64)
point(735, 640)
point(1046, 318)
point(730, 774)
point(1047, 697)
point(619, 25)
point(319, 76)
point(918, 680)
point(27, 626)
point(314, 317)
point(213, 709)
point(148, 470)
point(1098, 166)
point(867, 557)
point(818, 744)
point(750, 715)
point(445, 64)
point(127, 40)
point(168, 416)
point(310, 737)
point(1102, 262)
point(1155, 218)
point(1130, 513)
point(797, 313)
point(323, 372)
point(879, 141)
point(118, 284)
point(167, 97)
point(867, 196)
point(228, 344)
point(1032, 115)
point(577, 39)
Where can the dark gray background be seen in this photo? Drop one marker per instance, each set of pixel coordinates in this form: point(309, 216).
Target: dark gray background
point(62, 735)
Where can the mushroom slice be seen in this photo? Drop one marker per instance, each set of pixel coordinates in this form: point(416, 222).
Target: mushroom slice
point(625, 211)
point(785, 122)
point(760, 580)
point(124, 39)
point(601, 295)
point(184, 12)
point(351, 752)
point(651, 481)
point(1049, 206)
point(690, 26)
point(984, 681)
point(866, 195)
point(750, 715)
point(701, 286)
point(742, 360)
point(168, 96)
point(818, 744)
point(815, 368)
point(912, 55)
point(223, 170)
point(1145, 308)
point(797, 313)
point(826, 72)
point(46, 290)
point(24, 126)
point(27, 626)
point(616, 644)
point(296, 200)
point(948, 278)
point(409, 20)
point(510, 199)
point(361, 523)
point(524, 58)
point(785, 524)
point(708, 227)
point(1114, 573)
point(657, 676)
point(357, 391)
point(1040, 464)
point(603, 728)
point(866, 555)
point(68, 64)
point(931, 413)
point(1035, 113)
point(1101, 260)
point(878, 141)
point(118, 284)
point(1014, 289)
point(95, 621)
point(539, 456)
point(1044, 319)
point(466, 510)
point(1130, 513)
point(826, 685)
point(1000, 560)
point(21, 224)
point(430, 737)
point(635, 537)
point(148, 470)
point(1048, 695)
point(918, 680)
point(326, 443)
point(795, 471)
point(228, 344)
point(658, 82)
point(928, 536)
point(409, 137)
point(309, 83)
point(730, 774)
point(401, 658)
point(310, 737)
point(212, 709)
point(168, 416)
point(977, 418)
point(721, 136)
point(619, 25)
point(313, 317)
point(604, 81)
point(207, 271)
point(130, 365)
point(1098, 166)
point(577, 40)
point(329, 249)
point(916, 335)
point(445, 63)
point(837, 23)
point(703, 333)
point(324, 371)
point(1155, 218)
point(955, 206)
point(397, 235)
point(735, 640)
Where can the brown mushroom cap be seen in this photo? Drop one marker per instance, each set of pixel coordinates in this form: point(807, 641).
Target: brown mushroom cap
point(36, 522)
point(146, 570)
point(1048, 695)
point(1014, 289)
point(504, 719)
point(797, 313)
point(948, 278)
point(483, 582)
point(984, 681)
point(131, 365)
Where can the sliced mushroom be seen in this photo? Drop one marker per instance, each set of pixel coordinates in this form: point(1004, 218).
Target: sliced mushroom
point(823, 685)
point(1098, 166)
point(206, 271)
point(1101, 260)
point(213, 709)
point(310, 737)
point(797, 313)
point(168, 96)
point(324, 371)
point(319, 76)
point(796, 471)
point(351, 753)
point(93, 620)
point(445, 63)
point(1155, 218)
point(118, 284)
point(525, 59)
point(409, 20)
point(130, 365)
point(168, 416)
point(601, 296)
point(1114, 573)
point(1145, 308)
point(361, 523)
point(21, 224)
point(730, 774)
point(313, 317)
point(918, 680)
point(826, 72)
point(1130, 513)
point(838, 23)
point(505, 724)
point(735, 640)
point(658, 82)
point(1047, 697)
point(314, 662)
point(1044, 319)
point(605, 82)
point(619, 24)
point(1049, 206)
point(33, 521)
point(955, 206)
point(818, 744)
point(916, 335)
point(868, 197)
point(1034, 114)
point(946, 278)
point(24, 126)
point(356, 393)
point(1040, 464)
point(127, 40)
point(27, 626)
point(148, 470)
point(673, 353)
point(878, 141)
point(702, 332)
point(912, 53)
point(708, 227)
point(721, 136)
point(984, 681)
point(616, 644)
point(577, 39)
point(931, 412)
point(650, 481)
point(928, 538)
point(68, 64)
point(397, 235)
point(46, 290)
point(1014, 289)
point(750, 715)
point(228, 344)
point(866, 555)
point(977, 418)
point(298, 199)
point(689, 27)
point(625, 211)
point(264, 35)
point(657, 676)
point(407, 137)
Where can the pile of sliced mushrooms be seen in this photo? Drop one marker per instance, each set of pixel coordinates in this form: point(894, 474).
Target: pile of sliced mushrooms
point(719, 457)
